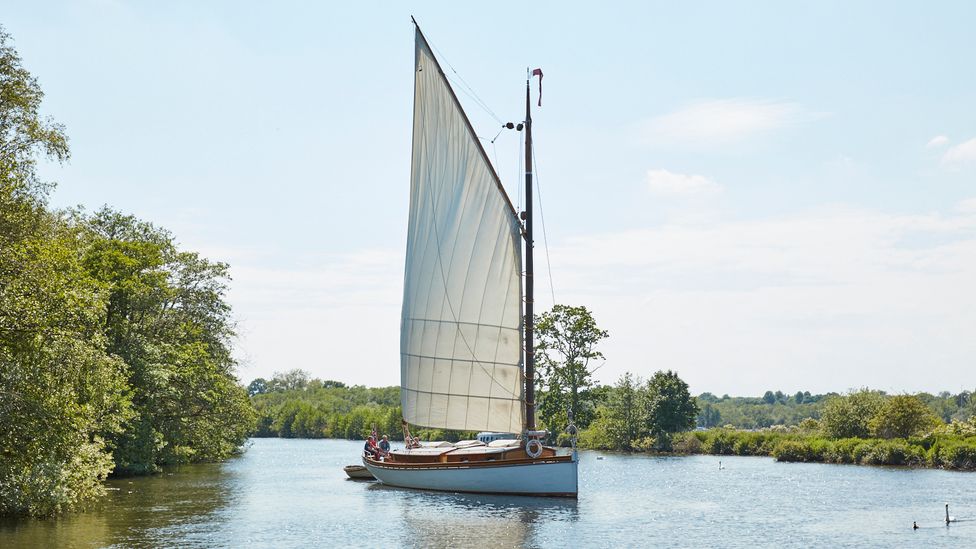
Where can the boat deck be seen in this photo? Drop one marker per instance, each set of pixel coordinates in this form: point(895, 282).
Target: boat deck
point(499, 454)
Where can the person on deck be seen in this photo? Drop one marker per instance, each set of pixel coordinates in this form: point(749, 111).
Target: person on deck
point(370, 448)
point(385, 445)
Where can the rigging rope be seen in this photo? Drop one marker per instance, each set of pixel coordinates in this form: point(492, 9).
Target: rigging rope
point(542, 218)
point(460, 81)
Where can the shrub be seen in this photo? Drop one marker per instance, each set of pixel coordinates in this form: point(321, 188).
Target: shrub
point(720, 441)
point(596, 437)
point(756, 443)
point(894, 452)
point(652, 444)
point(841, 450)
point(809, 425)
point(902, 416)
point(955, 453)
point(848, 416)
point(686, 443)
point(792, 450)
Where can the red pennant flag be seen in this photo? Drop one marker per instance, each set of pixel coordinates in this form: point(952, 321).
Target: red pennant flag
point(538, 72)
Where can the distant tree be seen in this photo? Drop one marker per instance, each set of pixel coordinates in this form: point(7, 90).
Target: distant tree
point(902, 416)
point(329, 384)
point(780, 397)
point(809, 424)
point(565, 349)
point(769, 397)
point(708, 397)
point(292, 380)
point(670, 407)
point(798, 397)
point(709, 416)
point(626, 417)
point(257, 387)
point(848, 416)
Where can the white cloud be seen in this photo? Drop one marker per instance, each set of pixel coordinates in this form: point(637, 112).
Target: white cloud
point(823, 301)
point(677, 184)
point(937, 141)
point(722, 121)
point(963, 153)
point(336, 316)
point(967, 206)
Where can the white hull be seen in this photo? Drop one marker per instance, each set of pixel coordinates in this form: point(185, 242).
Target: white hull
point(538, 478)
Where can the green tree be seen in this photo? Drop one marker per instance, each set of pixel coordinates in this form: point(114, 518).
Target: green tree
point(903, 416)
point(625, 417)
point(708, 397)
point(292, 380)
point(257, 387)
point(710, 416)
point(168, 320)
point(59, 388)
point(849, 416)
point(566, 347)
point(670, 407)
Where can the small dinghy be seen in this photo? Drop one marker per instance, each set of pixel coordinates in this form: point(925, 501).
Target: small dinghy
point(358, 472)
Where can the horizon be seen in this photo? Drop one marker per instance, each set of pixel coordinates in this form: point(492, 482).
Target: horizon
point(732, 196)
point(696, 394)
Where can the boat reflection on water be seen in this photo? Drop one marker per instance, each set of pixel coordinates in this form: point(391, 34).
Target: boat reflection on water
point(446, 519)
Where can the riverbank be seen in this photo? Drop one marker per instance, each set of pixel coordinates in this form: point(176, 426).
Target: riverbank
point(942, 451)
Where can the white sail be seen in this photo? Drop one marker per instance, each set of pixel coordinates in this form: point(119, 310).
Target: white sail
point(460, 341)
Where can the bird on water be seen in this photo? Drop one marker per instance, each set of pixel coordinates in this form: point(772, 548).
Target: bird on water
point(948, 518)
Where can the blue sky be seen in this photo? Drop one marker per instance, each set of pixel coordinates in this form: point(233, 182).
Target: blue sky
point(758, 195)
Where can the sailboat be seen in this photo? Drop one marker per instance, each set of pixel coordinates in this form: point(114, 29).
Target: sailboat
point(466, 343)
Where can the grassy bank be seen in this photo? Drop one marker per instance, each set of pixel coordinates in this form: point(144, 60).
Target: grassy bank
point(945, 450)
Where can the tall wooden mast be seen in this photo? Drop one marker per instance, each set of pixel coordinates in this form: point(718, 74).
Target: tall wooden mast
point(529, 272)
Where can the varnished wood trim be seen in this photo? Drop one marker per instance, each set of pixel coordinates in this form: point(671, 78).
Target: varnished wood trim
point(465, 464)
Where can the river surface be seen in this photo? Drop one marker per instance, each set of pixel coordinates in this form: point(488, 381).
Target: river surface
point(293, 493)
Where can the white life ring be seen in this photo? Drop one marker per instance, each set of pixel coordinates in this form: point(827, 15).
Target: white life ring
point(533, 448)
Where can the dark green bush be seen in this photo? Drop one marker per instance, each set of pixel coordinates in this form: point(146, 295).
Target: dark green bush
point(686, 443)
point(894, 452)
point(793, 450)
point(954, 454)
point(720, 442)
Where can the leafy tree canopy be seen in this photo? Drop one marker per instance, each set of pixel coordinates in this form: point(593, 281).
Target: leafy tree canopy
point(565, 351)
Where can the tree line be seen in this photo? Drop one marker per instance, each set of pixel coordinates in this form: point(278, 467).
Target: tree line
point(114, 342)
point(862, 427)
point(777, 408)
point(656, 414)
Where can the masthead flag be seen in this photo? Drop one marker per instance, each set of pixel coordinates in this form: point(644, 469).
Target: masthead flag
point(538, 72)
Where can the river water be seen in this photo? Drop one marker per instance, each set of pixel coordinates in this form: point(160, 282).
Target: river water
point(293, 493)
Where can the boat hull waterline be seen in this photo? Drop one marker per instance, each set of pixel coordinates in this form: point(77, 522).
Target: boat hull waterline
point(542, 477)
